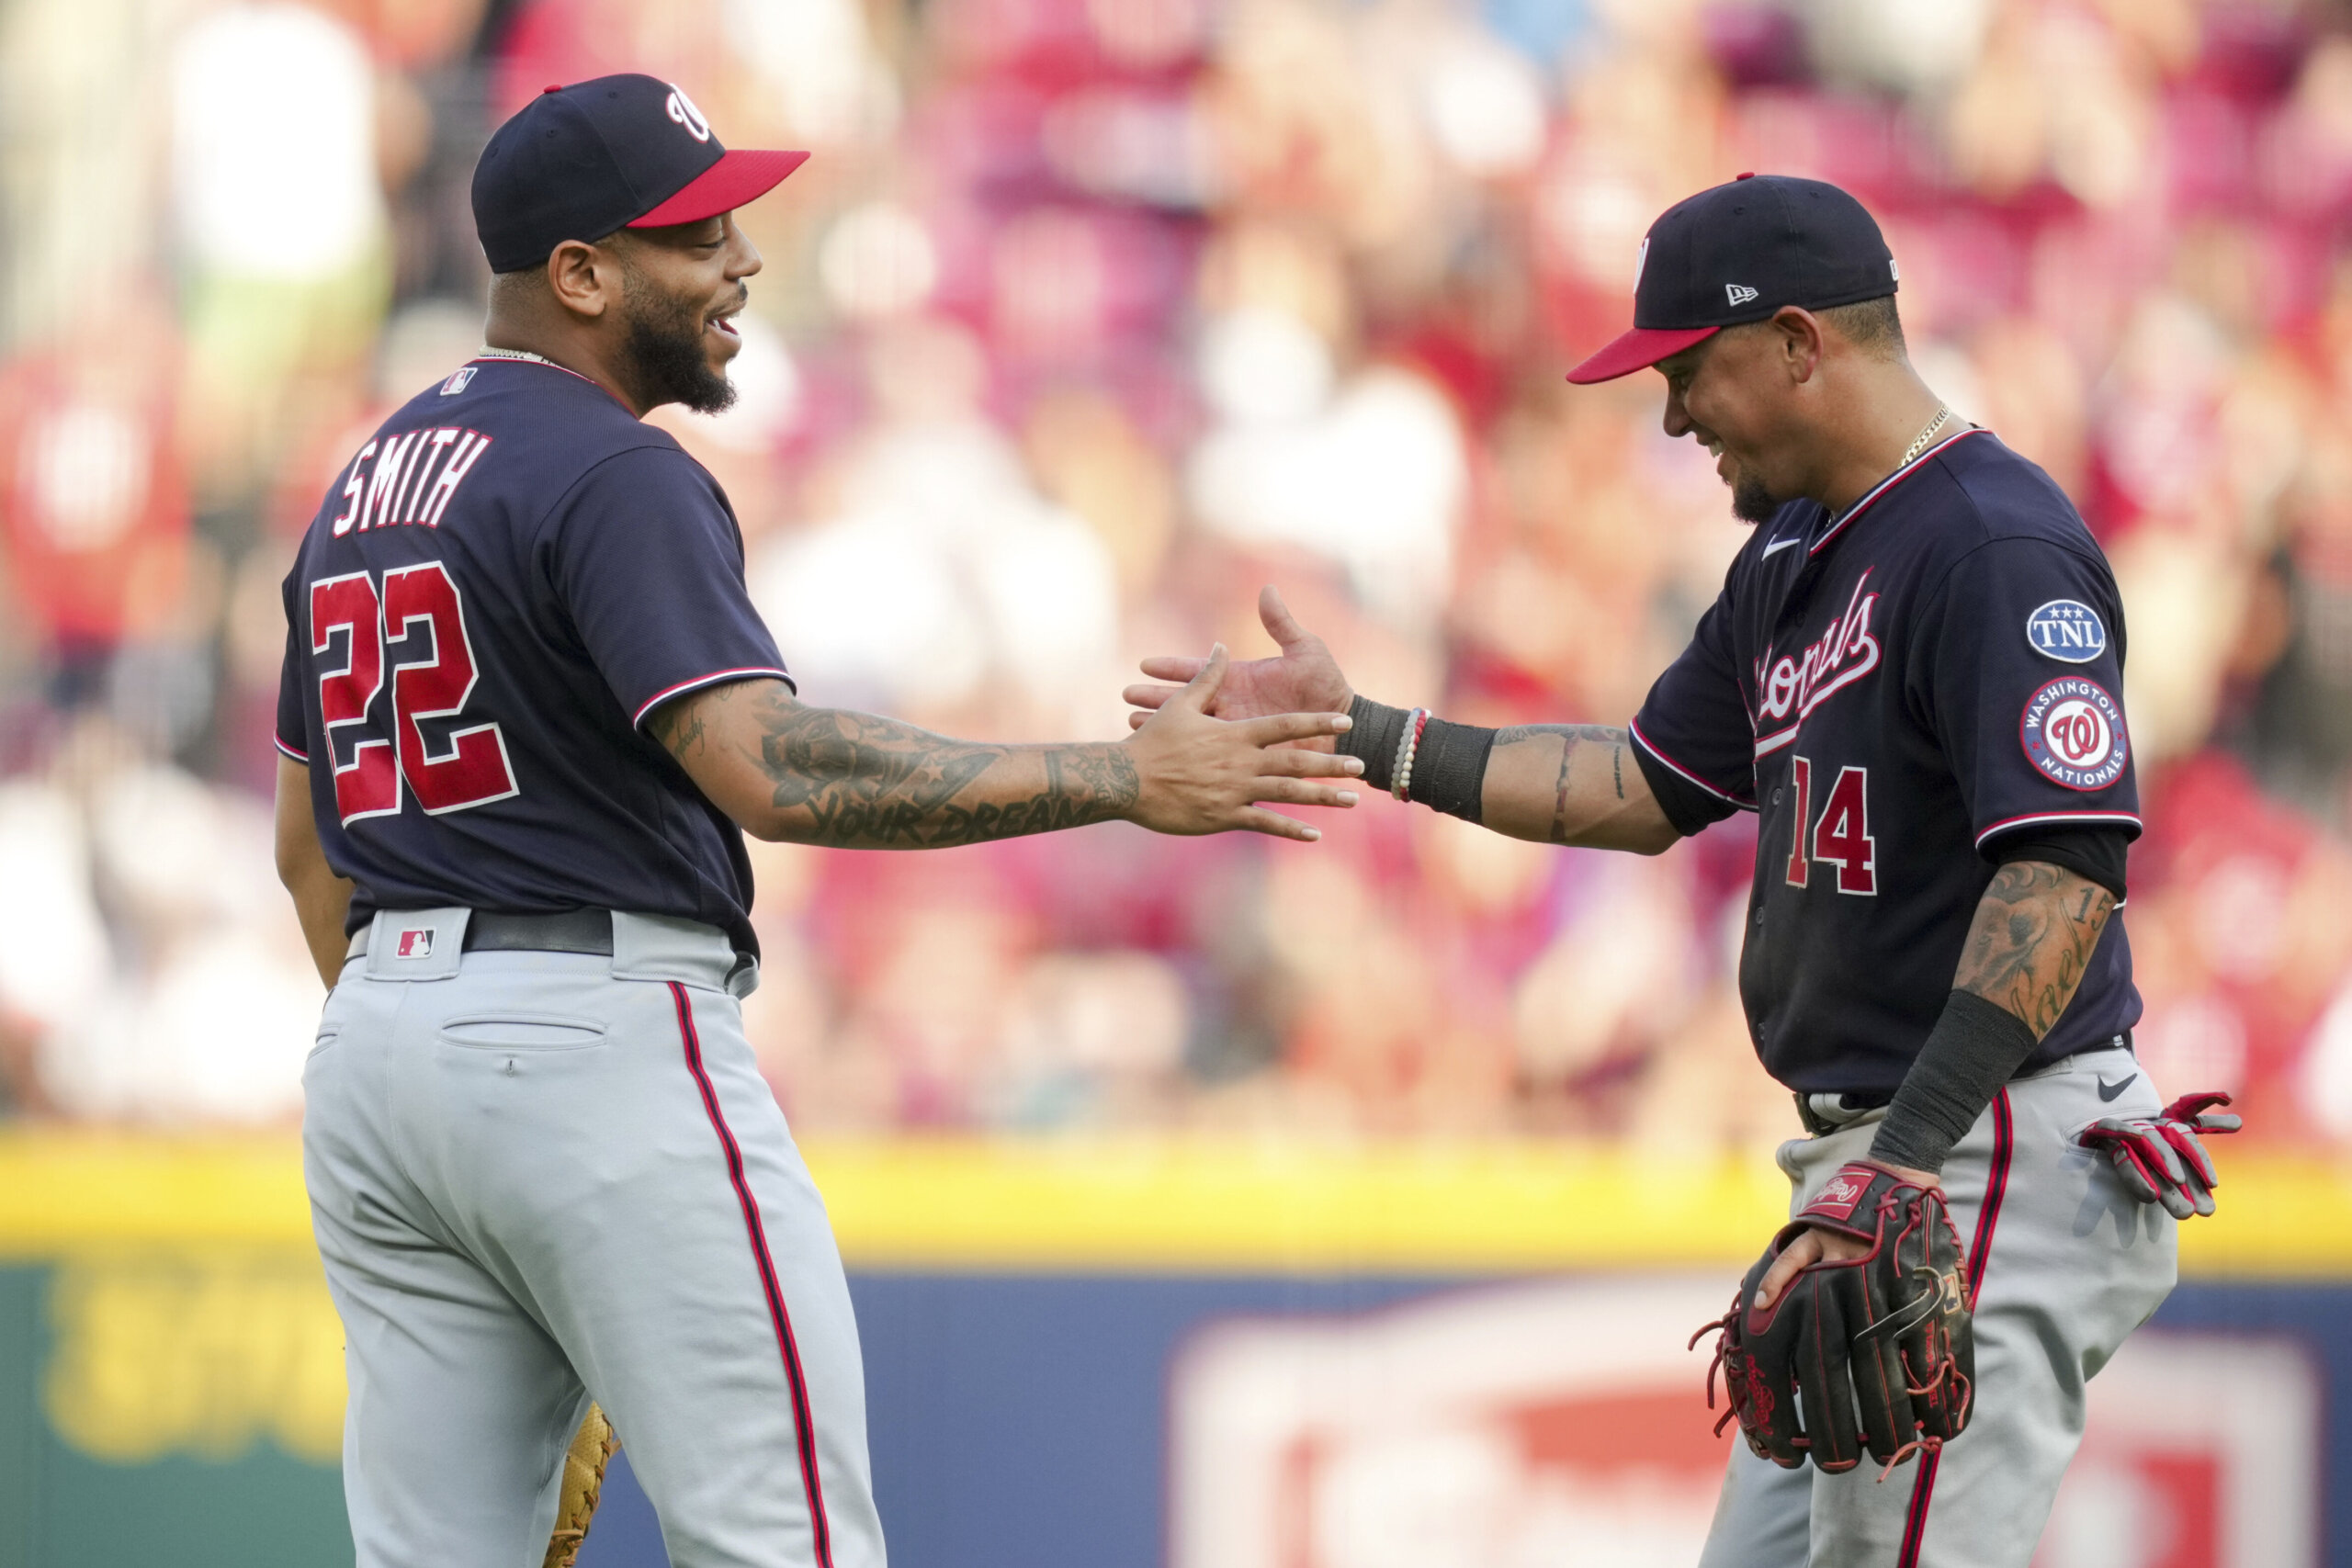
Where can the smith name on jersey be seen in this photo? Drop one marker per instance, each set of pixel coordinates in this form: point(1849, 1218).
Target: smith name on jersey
point(1895, 691)
point(506, 580)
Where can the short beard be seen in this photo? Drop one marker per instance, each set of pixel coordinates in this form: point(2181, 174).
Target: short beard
point(664, 351)
point(1751, 502)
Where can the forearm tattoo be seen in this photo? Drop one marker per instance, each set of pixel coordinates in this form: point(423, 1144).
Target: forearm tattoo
point(862, 782)
point(2032, 940)
point(1572, 737)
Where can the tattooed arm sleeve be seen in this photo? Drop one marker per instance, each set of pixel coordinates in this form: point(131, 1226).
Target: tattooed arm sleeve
point(2032, 939)
point(1572, 783)
point(2027, 949)
point(818, 775)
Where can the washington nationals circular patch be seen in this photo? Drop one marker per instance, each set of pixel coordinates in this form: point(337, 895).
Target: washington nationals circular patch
point(2073, 732)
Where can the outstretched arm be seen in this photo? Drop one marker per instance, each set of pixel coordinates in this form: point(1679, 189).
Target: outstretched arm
point(1556, 783)
point(1572, 783)
point(785, 770)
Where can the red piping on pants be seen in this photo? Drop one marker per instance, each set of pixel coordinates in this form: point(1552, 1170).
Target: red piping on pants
point(804, 1424)
point(1980, 1251)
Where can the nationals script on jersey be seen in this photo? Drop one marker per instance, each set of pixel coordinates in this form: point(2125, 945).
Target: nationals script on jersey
point(506, 580)
point(1893, 690)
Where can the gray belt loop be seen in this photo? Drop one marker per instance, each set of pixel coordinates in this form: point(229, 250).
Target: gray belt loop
point(744, 978)
point(663, 947)
point(1825, 1113)
point(416, 945)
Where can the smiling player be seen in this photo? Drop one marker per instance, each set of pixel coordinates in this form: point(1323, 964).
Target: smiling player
point(1912, 675)
point(528, 714)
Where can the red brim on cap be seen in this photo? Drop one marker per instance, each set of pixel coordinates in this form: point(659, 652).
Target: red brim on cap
point(735, 179)
point(1637, 350)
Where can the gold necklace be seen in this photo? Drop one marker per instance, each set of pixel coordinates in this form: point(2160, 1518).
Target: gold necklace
point(1926, 436)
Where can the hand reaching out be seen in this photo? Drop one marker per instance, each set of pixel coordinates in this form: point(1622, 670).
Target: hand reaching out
point(1200, 775)
point(1303, 678)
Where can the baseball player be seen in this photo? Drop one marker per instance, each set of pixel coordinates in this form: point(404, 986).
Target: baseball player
point(528, 714)
point(1912, 676)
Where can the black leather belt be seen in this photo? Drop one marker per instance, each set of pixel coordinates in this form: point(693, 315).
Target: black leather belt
point(574, 931)
point(1871, 1099)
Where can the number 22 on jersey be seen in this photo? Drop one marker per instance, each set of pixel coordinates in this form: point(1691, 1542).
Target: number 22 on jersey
point(1840, 835)
point(417, 608)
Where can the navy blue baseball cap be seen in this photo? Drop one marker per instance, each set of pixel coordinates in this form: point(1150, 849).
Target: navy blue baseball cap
point(625, 152)
point(1737, 253)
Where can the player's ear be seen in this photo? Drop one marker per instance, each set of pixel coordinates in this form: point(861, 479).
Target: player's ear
point(1797, 334)
point(586, 279)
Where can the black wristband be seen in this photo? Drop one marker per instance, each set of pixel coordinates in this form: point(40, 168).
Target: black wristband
point(1449, 765)
point(1975, 1048)
point(1450, 769)
point(1374, 736)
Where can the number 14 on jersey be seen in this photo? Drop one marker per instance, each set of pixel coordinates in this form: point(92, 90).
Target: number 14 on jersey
point(1840, 835)
point(418, 609)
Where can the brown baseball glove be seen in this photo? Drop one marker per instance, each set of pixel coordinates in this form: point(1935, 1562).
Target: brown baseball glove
point(583, 1481)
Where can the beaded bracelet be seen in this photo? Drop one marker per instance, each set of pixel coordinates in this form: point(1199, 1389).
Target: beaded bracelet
point(1400, 778)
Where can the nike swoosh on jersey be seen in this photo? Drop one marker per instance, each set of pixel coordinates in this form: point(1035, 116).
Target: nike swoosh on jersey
point(2109, 1091)
point(1778, 545)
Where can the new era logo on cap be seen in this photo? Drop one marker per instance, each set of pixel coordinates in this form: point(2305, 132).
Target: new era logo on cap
point(1738, 293)
point(416, 942)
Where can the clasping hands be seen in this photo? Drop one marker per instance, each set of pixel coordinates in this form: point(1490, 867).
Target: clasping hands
point(1303, 678)
point(1203, 774)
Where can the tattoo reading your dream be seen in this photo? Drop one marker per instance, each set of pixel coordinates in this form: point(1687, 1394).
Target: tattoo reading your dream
point(862, 781)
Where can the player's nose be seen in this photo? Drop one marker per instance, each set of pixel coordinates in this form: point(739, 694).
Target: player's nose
point(743, 257)
point(1677, 419)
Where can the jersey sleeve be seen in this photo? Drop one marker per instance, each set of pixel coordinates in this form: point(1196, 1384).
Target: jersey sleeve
point(2019, 668)
point(1692, 736)
point(646, 558)
point(293, 681)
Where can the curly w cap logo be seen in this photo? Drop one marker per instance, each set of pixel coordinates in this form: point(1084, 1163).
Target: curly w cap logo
point(681, 109)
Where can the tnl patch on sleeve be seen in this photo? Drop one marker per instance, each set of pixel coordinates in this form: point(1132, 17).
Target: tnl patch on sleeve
point(2073, 731)
point(2067, 630)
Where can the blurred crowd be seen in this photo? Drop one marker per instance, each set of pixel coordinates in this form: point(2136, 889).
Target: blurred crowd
point(1089, 317)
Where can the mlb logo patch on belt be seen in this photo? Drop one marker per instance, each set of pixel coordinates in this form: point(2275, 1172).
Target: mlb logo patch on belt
point(414, 942)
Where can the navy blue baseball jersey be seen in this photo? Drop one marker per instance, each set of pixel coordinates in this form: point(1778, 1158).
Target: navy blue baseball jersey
point(1892, 690)
point(500, 587)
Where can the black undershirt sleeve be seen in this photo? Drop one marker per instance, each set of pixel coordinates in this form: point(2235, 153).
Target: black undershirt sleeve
point(2095, 854)
point(1690, 810)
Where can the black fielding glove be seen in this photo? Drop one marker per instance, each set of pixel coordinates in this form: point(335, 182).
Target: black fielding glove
point(1879, 1348)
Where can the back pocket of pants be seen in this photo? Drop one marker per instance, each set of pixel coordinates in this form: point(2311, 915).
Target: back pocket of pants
point(523, 1032)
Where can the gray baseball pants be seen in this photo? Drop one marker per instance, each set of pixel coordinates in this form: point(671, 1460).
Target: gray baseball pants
point(539, 1177)
point(2067, 1263)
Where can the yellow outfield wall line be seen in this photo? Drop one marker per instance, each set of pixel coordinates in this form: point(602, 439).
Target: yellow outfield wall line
point(1147, 1205)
